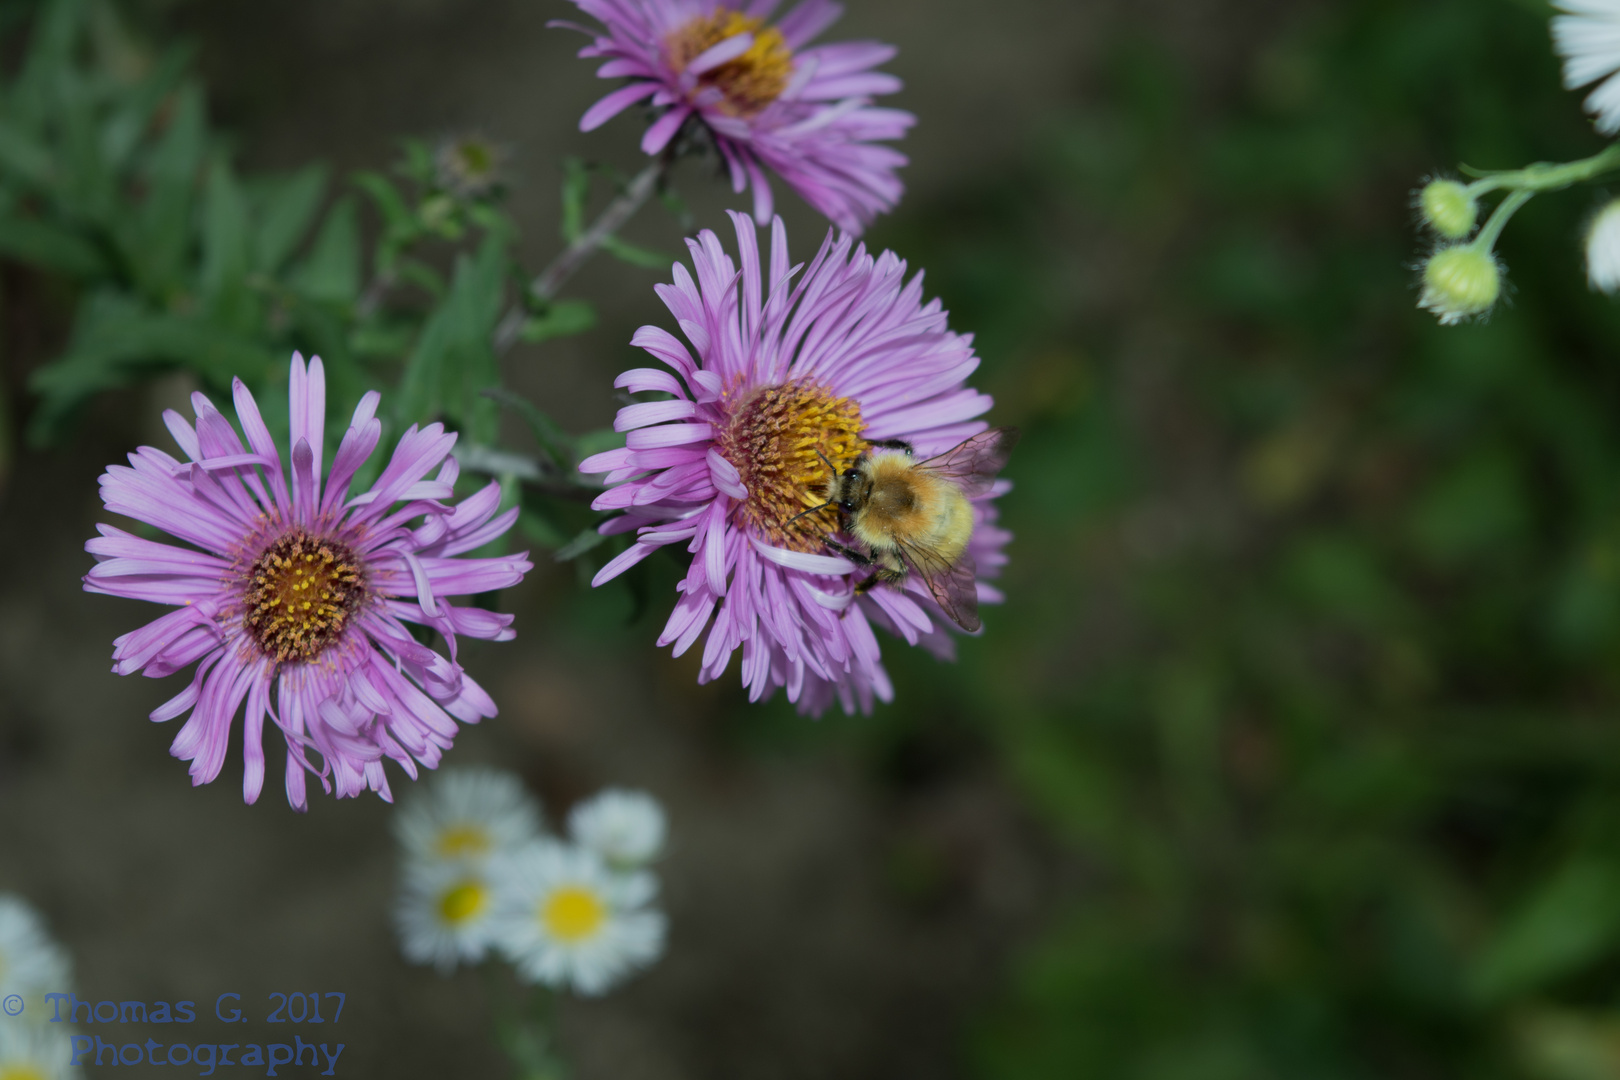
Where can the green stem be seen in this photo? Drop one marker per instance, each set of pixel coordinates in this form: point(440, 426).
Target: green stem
point(1486, 240)
point(1547, 176)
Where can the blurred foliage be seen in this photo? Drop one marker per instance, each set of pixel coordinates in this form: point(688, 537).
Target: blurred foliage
point(1312, 654)
point(113, 182)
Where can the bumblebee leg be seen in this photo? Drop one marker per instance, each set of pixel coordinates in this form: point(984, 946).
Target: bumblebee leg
point(866, 586)
point(856, 557)
point(893, 444)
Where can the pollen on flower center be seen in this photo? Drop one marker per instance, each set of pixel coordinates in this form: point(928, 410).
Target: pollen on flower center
point(751, 81)
point(782, 440)
point(573, 913)
point(301, 593)
point(463, 901)
point(460, 840)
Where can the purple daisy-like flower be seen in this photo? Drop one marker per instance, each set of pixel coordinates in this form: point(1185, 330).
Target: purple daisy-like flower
point(799, 370)
point(294, 597)
point(770, 100)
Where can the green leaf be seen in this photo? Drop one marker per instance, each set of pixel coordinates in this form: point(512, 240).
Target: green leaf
point(116, 338)
point(224, 243)
point(132, 117)
point(579, 545)
point(545, 429)
point(154, 242)
point(1570, 922)
point(576, 186)
point(331, 271)
point(636, 256)
point(24, 158)
point(595, 442)
point(562, 319)
point(396, 214)
point(289, 210)
point(454, 359)
point(43, 244)
point(538, 527)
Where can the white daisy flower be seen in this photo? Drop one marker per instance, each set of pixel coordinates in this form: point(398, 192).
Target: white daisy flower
point(33, 1052)
point(467, 815)
point(31, 964)
point(1603, 249)
point(1588, 38)
point(564, 919)
point(625, 827)
point(444, 914)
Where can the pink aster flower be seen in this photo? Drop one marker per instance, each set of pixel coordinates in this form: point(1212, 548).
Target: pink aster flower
point(798, 370)
point(769, 101)
point(294, 596)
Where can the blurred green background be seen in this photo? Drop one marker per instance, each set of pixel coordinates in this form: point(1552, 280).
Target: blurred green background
point(1293, 753)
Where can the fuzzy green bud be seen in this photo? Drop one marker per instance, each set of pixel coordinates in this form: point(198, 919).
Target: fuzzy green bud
point(1448, 208)
point(1459, 282)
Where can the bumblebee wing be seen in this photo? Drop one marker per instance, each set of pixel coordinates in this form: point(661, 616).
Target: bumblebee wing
point(953, 584)
point(973, 463)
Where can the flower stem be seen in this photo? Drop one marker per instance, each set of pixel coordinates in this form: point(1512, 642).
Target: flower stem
point(546, 284)
point(1486, 240)
point(1547, 176)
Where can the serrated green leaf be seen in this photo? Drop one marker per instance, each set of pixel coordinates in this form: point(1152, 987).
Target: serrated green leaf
point(288, 211)
point(331, 271)
point(562, 319)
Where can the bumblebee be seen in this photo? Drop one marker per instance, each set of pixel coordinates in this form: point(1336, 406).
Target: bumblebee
point(915, 517)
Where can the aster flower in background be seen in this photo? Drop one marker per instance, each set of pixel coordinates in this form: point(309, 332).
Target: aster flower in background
point(467, 816)
point(35, 1052)
point(566, 920)
point(1587, 37)
point(31, 963)
point(626, 828)
point(798, 370)
point(294, 597)
point(769, 99)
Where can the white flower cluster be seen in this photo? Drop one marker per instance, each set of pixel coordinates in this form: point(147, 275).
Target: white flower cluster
point(481, 875)
point(31, 966)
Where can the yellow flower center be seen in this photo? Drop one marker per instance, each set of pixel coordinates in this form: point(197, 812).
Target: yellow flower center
point(21, 1070)
point(301, 592)
point(751, 81)
point(573, 913)
point(460, 840)
point(782, 439)
point(463, 902)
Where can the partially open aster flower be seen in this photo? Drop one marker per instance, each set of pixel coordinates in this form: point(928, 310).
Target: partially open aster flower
point(770, 101)
point(294, 596)
point(789, 381)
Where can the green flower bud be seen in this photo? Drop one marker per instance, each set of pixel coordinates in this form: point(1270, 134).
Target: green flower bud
point(1459, 282)
point(1448, 208)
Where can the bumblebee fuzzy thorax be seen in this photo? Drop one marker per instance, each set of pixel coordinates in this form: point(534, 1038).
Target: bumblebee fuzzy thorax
point(889, 503)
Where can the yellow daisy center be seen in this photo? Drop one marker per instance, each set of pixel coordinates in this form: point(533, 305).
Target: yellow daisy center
point(782, 439)
point(462, 839)
point(463, 902)
point(301, 592)
point(573, 913)
point(751, 81)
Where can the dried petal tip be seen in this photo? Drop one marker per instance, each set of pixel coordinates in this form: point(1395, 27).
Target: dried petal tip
point(1460, 282)
point(1448, 208)
point(1603, 249)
